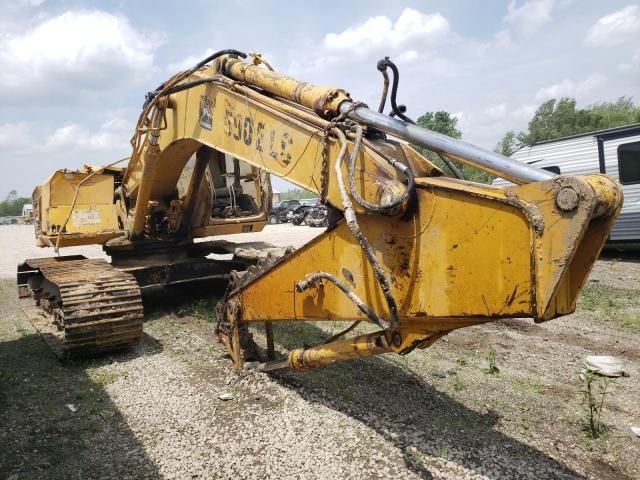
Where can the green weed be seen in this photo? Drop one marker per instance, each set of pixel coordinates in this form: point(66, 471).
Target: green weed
point(593, 396)
point(458, 383)
point(492, 367)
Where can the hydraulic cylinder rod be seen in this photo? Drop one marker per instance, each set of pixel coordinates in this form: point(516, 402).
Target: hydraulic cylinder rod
point(464, 152)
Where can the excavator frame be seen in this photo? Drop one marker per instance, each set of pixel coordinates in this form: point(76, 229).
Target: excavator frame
point(408, 249)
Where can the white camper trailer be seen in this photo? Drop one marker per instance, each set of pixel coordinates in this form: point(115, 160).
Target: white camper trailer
point(615, 151)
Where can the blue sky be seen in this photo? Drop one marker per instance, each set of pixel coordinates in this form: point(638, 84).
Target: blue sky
point(73, 74)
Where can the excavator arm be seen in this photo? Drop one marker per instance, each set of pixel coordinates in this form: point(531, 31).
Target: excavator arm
point(415, 252)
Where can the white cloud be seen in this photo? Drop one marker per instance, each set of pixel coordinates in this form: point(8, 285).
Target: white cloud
point(487, 125)
point(616, 28)
point(411, 26)
point(14, 135)
point(633, 65)
point(562, 89)
point(502, 39)
point(113, 134)
point(407, 56)
point(74, 52)
point(530, 16)
point(495, 111)
point(590, 84)
point(568, 88)
point(188, 62)
point(524, 112)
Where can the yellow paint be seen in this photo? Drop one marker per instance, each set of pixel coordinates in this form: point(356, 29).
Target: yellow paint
point(467, 252)
point(95, 213)
point(461, 254)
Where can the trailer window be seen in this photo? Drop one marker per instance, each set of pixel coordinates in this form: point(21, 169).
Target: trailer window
point(629, 163)
point(553, 169)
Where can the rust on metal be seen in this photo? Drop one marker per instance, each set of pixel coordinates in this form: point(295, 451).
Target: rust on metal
point(81, 306)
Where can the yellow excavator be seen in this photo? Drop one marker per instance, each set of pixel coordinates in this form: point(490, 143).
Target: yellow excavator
point(408, 248)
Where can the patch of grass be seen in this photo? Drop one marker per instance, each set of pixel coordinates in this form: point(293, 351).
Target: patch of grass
point(204, 309)
point(529, 385)
point(631, 321)
point(103, 377)
point(588, 299)
point(612, 304)
point(458, 383)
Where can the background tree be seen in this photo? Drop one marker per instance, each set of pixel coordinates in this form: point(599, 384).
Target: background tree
point(509, 144)
point(297, 194)
point(445, 123)
point(560, 118)
point(11, 206)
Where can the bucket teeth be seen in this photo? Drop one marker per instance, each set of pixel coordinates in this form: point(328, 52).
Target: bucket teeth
point(91, 307)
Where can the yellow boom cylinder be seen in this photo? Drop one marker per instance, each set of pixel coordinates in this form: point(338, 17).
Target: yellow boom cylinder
point(325, 101)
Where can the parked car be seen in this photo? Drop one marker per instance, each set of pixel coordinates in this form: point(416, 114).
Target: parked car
point(279, 213)
point(297, 215)
point(318, 217)
point(312, 202)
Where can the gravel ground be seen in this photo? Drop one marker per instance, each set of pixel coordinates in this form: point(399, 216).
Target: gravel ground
point(154, 412)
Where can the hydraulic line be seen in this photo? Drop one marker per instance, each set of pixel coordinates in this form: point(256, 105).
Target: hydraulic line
point(382, 66)
point(316, 277)
point(152, 95)
point(401, 167)
point(452, 166)
point(343, 332)
point(352, 223)
point(385, 88)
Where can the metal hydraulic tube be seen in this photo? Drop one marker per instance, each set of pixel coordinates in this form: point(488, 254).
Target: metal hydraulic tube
point(486, 160)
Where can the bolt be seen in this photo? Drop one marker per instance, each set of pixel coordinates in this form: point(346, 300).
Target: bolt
point(567, 199)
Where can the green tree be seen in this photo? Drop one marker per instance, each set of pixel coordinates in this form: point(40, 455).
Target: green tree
point(297, 194)
point(616, 114)
point(560, 118)
point(508, 144)
point(443, 122)
point(11, 206)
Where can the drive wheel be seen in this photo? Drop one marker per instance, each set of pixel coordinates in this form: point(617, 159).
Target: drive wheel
point(273, 220)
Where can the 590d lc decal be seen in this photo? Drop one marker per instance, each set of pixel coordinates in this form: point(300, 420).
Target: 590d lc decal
point(242, 129)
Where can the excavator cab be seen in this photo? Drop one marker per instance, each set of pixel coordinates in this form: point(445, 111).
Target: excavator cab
point(231, 190)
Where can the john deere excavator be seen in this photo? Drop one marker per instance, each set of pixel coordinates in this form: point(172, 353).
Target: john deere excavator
point(414, 251)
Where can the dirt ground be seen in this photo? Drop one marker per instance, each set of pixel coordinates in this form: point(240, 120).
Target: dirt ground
point(154, 412)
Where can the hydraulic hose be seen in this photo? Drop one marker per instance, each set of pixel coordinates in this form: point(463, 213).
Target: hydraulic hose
point(229, 51)
point(314, 278)
point(382, 66)
point(401, 167)
point(352, 223)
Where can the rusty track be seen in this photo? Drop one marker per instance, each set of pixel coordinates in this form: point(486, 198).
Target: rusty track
point(81, 306)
